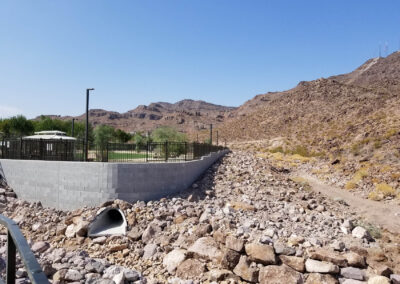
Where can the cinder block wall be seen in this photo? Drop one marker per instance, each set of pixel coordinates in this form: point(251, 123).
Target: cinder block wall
point(71, 185)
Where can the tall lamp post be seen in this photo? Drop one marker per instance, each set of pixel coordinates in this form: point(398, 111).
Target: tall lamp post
point(87, 124)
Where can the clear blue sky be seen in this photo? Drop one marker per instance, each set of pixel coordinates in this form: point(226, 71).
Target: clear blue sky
point(137, 52)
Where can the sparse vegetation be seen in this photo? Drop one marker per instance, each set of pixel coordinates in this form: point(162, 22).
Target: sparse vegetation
point(382, 190)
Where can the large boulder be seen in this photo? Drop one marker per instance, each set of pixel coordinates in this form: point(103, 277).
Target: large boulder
point(206, 248)
point(274, 274)
point(190, 268)
point(321, 267)
point(244, 271)
point(173, 259)
point(264, 254)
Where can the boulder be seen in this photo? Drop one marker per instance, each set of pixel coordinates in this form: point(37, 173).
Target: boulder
point(73, 275)
point(173, 259)
point(378, 280)
point(297, 263)
point(190, 268)
point(361, 233)
point(264, 254)
point(244, 271)
point(206, 248)
point(274, 274)
point(354, 259)
point(317, 278)
point(149, 250)
point(352, 273)
point(234, 243)
point(150, 232)
point(40, 247)
point(230, 258)
point(321, 267)
point(325, 254)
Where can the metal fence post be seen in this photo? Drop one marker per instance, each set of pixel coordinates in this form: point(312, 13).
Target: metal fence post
point(40, 149)
point(107, 153)
point(185, 150)
point(20, 148)
point(166, 151)
point(147, 151)
point(11, 255)
point(2, 149)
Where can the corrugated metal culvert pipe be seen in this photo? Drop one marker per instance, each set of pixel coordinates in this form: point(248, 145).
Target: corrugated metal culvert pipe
point(110, 221)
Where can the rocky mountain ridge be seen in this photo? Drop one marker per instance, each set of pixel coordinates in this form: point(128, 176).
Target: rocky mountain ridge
point(351, 121)
point(185, 115)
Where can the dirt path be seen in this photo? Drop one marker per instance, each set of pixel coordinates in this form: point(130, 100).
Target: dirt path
point(377, 213)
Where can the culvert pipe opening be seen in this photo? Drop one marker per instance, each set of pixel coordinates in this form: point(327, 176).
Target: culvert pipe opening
point(110, 221)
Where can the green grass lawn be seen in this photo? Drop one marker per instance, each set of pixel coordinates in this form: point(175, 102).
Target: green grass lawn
point(125, 156)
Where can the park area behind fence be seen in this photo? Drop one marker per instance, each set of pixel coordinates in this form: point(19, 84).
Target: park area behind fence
point(74, 150)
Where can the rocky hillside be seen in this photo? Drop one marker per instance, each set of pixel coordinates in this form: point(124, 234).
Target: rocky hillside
point(242, 222)
point(352, 120)
point(185, 115)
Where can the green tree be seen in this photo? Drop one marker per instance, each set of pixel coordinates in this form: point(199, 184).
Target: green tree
point(122, 136)
point(47, 123)
point(5, 127)
point(168, 134)
point(140, 140)
point(20, 126)
point(102, 135)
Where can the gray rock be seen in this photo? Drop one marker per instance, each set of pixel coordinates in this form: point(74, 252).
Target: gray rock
point(40, 247)
point(395, 278)
point(149, 250)
point(352, 273)
point(73, 275)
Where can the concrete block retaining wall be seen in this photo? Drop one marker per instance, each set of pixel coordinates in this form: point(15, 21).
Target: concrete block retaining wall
point(71, 185)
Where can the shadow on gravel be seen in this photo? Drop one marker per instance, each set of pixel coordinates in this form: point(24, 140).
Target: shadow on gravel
point(204, 185)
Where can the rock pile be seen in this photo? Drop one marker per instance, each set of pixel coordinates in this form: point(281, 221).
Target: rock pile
point(241, 222)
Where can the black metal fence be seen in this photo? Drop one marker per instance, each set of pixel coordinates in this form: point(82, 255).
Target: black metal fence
point(16, 242)
point(74, 150)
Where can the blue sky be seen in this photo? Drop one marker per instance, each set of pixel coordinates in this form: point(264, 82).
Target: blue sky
point(138, 52)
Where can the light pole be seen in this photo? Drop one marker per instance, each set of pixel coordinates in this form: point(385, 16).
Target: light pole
point(87, 124)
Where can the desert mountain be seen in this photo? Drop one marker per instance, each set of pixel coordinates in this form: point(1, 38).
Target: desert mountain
point(185, 115)
point(351, 120)
point(347, 104)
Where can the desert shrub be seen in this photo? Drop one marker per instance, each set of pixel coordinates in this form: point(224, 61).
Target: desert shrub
point(382, 190)
point(360, 174)
point(350, 185)
point(277, 149)
point(390, 133)
point(377, 144)
point(355, 149)
point(300, 150)
point(385, 189)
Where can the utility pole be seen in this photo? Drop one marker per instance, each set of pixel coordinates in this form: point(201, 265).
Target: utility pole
point(197, 137)
point(211, 133)
point(87, 124)
point(73, 126)
point(217, 137)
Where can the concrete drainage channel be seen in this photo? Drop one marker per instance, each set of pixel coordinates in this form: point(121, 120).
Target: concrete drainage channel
point(110, 221)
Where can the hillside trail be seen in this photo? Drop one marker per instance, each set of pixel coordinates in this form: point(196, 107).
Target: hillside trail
point(377, 213)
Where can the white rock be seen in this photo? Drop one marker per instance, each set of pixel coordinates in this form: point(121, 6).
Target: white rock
point(173, 259)
point(321, 266)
